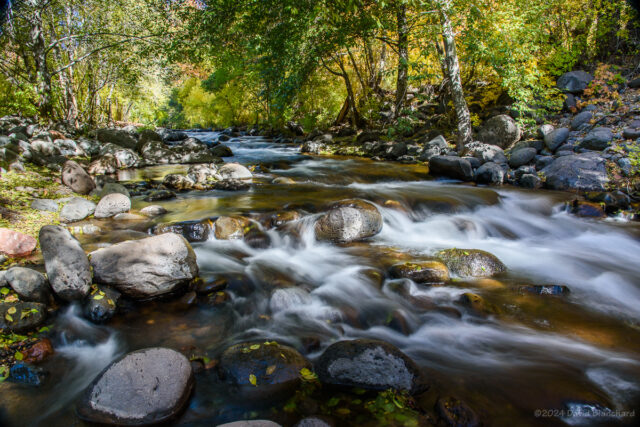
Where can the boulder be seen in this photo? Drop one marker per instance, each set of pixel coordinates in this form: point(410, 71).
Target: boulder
point(230, 228)
point(530, 181)
point(574, 81)
point(234, 171)
point(144, 387)
point(598, 139)
point(485, 152)
point(203, 173)
point(428, 272)
point(46, 205)
point(22, 317)
point(368, 364)
point(178, 182)
point(262, 369)
point(175, 136)
point(471, 262)
point(15, 244)
point(77, 209)
point(490, 173)
point(581, 119)
point(221, 151)
point(634, 84)
point(118, 137)
point(157, 195)
point(105, 165)
point(29, 284)
point(146, 268)
point(75, 177)
point(630, 133)
point(585, 172)
point(556, 138)
point(545, 130)
point(522, 157)
point(451, 167)
point(500, 130)
point(112, 204)
point(348, 221)
point(66, 263)
point(193, 231)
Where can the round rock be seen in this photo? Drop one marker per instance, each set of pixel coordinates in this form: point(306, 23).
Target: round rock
point(112, 204)
point(75, 177)
point(29, 284)
point(153, 211)
point(421, 272)
point(145, 387)
point(77, 209)
point(348, 221)
point(471, 262)
point(368, 364)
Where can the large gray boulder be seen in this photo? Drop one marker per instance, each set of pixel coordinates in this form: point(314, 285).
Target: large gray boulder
point(145, 387)
point(66, 263)
point(112, 204)
point(234, 171)
point(598, 139)
point(585, 172)
point(581, 119)
point(556, 138)
point(574, 81)
point(77, 209)
point(490, 173)
point(500, 130)
point(118, 137)
point(348, 221)
point(485, 152)
point(368, 364)
point(29, 284)
point(471, 262)
point(521, 157)
point(146, 268)
point(75, 177)
point(22, 317)
point(451, 167)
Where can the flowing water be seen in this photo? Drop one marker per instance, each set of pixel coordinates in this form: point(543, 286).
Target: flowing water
point(579, 351)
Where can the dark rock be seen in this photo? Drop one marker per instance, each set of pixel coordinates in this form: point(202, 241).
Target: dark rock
point(262, 369)
point(474, 161)
point(586, 209)
point(111, 188)
point(66, 263)
point(500, 130)
point(598, 139)
point(209, 287)
point(38, 352)
point(530, 181)
point(367, 136)
point(556, 138)
point(22, 317)
point(24, 373)
point(471, 262)
point(75, 177)
point(222, 151)
point(451, 167)
point(193, 231)
point(112, 204)
point(586, 172)
point(574, 82)
point(570, 102)
point(490, 173)
point(231, 185)
point(581, 119)
point(394, 150)
point(29, 284)
point(421, 272)
point(521, 157)
point(543, 161)
point(77, 209)
point(634, 84)
point(629, 133)
point(456, 413)
point(368, 364)
point(158, 195)
point(145, 387)
point(558, 290)
point(348, 221)
point(146, 268)
point(178, 182)
point(101, 304)
point(118, 137)
point(175, 136)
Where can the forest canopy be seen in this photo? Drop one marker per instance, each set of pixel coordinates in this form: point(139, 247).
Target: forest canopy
point(206, 63)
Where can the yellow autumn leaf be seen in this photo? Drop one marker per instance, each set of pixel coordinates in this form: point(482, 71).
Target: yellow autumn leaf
point(253, 380)
point(255, 347)
point(12, 310)
point(8, 317)
point(98, 297)
point(271, 369)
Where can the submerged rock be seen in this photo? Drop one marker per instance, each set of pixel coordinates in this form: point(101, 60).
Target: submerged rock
point(153, 211)
point(454, 412)
point(348, 221)
point(262, 370)
point(66, 263)
point(22, 317)
point(146, 268)
point(24, 373)
point(145, 387)
point(471, 262)
point(421, 272)
point(101, 305)
point(193, 231)
point(368, 364)
point(29, 284)
point(230, 228)
point(559, 290)
point(158, 195)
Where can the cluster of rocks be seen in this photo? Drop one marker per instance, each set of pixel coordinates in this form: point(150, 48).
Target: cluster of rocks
point(109, 149)
point(581, 151)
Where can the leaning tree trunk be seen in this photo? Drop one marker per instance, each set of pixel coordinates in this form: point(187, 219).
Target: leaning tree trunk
point(403, 59)
point(43, 75)
point(453, 71)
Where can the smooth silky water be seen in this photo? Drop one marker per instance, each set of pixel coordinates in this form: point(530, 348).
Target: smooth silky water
point(531, 352)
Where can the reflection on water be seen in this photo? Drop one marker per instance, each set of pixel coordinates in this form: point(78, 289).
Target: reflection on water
point(528, 352)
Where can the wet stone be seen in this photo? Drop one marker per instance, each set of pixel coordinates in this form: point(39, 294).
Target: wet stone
point(471, 262)
point(101, 305)
point(558, 290)
point(454, 412)
point(428, 272)
point(24, 373)
point(29, 284)
point(22, 316)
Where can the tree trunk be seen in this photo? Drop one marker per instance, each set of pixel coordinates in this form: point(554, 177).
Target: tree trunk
point(403, 59)
point(43, 75)
point(356, 119)
point(453, 71)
